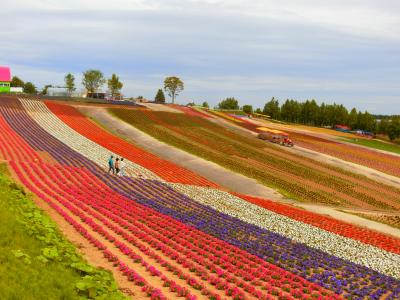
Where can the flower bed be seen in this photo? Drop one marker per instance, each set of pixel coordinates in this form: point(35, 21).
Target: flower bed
point(79, 193)
point(386, 163)
point(302, 178)
point(162, 168)
point(176, 221)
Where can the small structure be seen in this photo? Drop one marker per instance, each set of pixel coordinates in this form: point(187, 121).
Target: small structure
point(275, 136)
point(16, 90)
point(96, 95)
point(57, 91)
point(5, 79)
point(342, 128)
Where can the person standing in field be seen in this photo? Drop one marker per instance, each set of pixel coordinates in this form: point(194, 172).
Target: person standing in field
point(111, 164)
point(116, 166)
point(122, 167)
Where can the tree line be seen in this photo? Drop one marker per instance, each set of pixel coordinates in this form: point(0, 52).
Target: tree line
point(93, 80)
point(309, 112)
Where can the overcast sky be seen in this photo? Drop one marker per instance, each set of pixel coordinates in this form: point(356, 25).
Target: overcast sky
point(344, 51)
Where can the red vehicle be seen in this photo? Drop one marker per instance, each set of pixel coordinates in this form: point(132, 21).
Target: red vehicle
point(275, 136)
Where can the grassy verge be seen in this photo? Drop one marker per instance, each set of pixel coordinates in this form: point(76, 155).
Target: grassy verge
point(36, 261)
point(375, 144)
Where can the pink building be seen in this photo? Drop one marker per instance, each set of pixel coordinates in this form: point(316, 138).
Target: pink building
point(5, 79)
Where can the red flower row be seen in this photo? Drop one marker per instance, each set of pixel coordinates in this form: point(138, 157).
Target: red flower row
point(364, 235)
point(161, 167)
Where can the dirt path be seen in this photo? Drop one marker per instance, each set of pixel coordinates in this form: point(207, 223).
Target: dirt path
point(47, 157)
point(161, 107)
point(226, 178)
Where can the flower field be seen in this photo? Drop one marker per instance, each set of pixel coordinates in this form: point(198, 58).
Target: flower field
point(383, 162)
point(177, 235)
point(299, 177)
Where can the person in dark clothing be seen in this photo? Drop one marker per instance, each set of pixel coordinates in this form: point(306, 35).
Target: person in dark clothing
point(117, 166)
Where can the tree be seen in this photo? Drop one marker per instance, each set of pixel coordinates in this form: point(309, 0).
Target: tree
point(16, 82)
point(352, 119)
point(114, 85)
point(93, 80)
point(160, 97)
point(248, 109)
point(258, 111)
point(383, 126)
point(205, 104)
point(69, 80)
point(290, 111)
point(173, 86)
point(229, 103)
point(272, 109)
point(393, 130)
point(366, 121)
point(29, 88)
point(313, 112)
point(45, 88)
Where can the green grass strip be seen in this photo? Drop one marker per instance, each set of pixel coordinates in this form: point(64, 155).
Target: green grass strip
point(375, 144)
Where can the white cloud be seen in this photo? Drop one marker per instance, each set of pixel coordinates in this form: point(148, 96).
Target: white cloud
point(298, 49)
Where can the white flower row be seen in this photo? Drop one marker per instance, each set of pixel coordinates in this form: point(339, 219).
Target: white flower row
point(357, 252)
point(91, 150)
point(333, 244)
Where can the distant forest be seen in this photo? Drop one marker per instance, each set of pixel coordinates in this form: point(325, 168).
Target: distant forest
point(311, 113)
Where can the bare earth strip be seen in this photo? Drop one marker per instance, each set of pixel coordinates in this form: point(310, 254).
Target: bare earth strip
point(224, 177)
point(160, 107)
point(230, 180)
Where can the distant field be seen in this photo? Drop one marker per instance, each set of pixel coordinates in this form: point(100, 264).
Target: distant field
point(376, 144)
point(296, 176)
point(367, 157)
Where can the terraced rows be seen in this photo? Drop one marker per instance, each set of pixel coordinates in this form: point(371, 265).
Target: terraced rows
point(386, 163)
point(72, 117)
point(178, 240)
point(302, 178)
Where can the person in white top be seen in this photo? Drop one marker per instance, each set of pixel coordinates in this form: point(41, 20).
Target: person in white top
point(122, 167)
